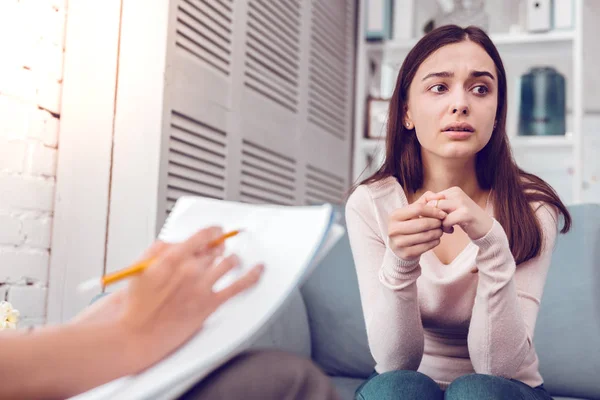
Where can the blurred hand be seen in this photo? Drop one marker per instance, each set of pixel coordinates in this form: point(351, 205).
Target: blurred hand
point(110, 306)
point(168, 303)
point(416, 228)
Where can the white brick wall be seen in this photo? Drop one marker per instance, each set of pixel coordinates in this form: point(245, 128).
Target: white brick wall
point(31, 44)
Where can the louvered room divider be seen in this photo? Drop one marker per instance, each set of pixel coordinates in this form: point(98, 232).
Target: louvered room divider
point(254, 103)
point(263, 100)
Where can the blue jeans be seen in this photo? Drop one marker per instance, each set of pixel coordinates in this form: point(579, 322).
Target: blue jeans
point(408, 385)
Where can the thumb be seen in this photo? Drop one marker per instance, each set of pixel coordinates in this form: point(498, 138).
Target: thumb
point(429, 196)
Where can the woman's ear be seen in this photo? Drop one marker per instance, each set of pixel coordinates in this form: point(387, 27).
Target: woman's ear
point(407, 120)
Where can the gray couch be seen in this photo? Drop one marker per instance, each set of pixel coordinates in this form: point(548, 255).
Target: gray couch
point(323, 320)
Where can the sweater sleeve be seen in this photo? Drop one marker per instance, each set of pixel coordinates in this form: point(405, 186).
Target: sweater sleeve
point(388, 290)
point(507, 300)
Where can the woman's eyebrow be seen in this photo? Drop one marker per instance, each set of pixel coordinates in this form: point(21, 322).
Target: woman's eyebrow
point(478, 74)
point(444, 74)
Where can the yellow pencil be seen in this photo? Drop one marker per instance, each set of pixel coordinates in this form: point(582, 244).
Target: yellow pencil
point(141, 266)
point(124, 273)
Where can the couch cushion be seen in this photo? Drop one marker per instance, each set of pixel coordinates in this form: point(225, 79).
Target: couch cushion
point(288, 330)
point(567, 335)
point(339, 338)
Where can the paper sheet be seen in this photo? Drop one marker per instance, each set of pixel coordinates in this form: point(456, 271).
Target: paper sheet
point(288, 240)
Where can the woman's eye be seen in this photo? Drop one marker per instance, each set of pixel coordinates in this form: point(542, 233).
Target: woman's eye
point(438, 89)
point(480, 90)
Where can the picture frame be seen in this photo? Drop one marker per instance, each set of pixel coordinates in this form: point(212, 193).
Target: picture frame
point(377, 114)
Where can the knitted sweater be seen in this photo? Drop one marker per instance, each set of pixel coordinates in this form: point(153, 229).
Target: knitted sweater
point(443, 320)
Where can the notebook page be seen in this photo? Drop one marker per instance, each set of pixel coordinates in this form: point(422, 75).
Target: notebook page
point(175, 391)
point(284, 238)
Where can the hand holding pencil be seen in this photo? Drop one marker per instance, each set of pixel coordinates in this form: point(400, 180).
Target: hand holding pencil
point(169, 302)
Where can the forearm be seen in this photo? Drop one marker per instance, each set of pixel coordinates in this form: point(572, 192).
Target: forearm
point(388, 290)
point(394, 326)
point(498, 340)
point(59, 362)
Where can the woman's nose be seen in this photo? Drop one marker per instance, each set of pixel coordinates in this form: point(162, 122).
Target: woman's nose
point(459, 103)
point(461, 109)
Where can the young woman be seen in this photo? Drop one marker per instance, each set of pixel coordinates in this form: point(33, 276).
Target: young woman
point(451, 240)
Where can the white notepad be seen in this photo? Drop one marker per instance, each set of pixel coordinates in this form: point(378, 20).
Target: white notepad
point(290, 241)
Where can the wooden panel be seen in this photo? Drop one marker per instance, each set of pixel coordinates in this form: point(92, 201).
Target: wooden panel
point(204, 30)
point(197, 160)
point(331, 61)
point(329, 101)
point(266, 176)
point(265, 123)
point(202, 59)
point(271, 67)
point(284, 98)
point(199, 92)
point(323, 186)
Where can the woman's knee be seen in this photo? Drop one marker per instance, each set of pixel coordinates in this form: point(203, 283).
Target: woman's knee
point(400, 385)
point(480, 386)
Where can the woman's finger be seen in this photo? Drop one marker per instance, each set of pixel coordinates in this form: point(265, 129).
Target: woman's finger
point(416, 225)
point(428, 196)
point(416, 210)
point(218, 271)
point(446, 205)
point(205, 262)
point(157, 250)
point(417, 250)
point(244, 283)
point(166, 274)
point(418, 238)
point(454, 218)
point(453, 192)
point(193, 246)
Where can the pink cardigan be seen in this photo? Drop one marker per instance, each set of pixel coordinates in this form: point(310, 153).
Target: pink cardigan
point(443, 320)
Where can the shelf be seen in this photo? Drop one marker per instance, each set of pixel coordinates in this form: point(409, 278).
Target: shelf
point(499, 39)
point(533, 38)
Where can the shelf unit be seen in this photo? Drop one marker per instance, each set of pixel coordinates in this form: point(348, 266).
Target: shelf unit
point(556, 46)
point(499, 39)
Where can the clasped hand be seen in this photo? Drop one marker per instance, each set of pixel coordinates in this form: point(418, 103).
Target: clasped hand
point(418, 227)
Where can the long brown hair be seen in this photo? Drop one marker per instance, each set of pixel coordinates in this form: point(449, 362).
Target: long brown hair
point(513, 188)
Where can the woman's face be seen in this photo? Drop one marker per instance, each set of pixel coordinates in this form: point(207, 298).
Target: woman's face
point(452, 101)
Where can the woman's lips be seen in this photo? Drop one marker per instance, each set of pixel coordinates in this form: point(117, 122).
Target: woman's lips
point(458, 135)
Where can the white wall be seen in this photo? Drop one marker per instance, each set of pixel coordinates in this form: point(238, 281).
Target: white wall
point(31, 45)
